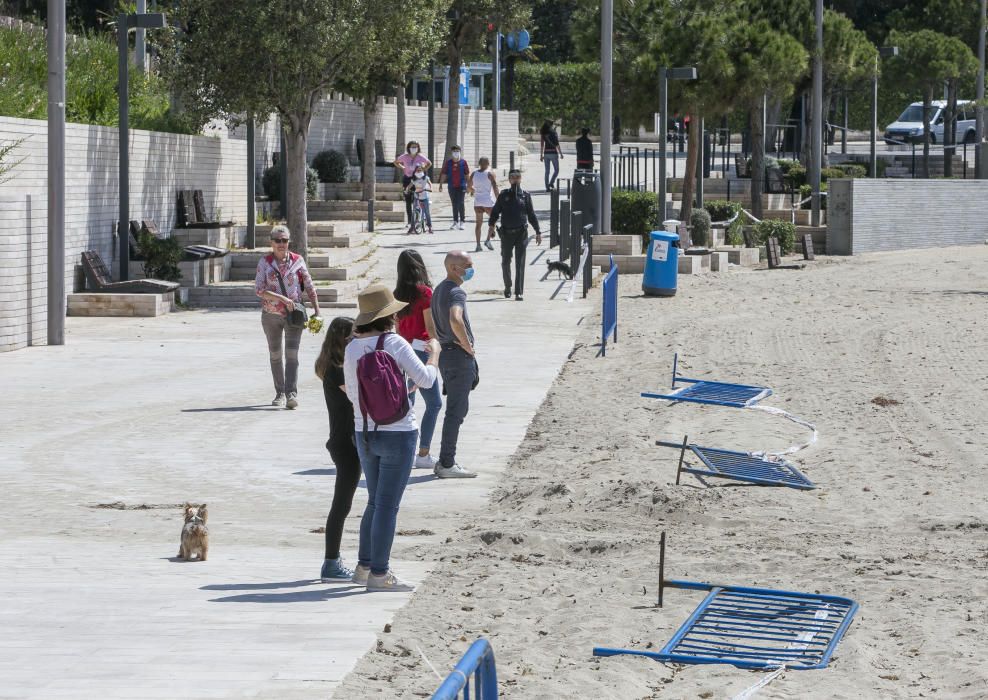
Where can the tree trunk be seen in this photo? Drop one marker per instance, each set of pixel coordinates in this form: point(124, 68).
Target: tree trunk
point(693, 152)
point(455, 55)
point(296, 139)
point(368, 173)
point(401, 103)
point(927, 106)
point(757, 158)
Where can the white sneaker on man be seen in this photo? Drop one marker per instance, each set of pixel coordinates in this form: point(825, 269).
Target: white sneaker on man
point(452, 226)
point(360, 574)
point(454, 472)
point(426, 462)
point(292, 402)
point(460, 226)
point(388, 582)
point(279, 400)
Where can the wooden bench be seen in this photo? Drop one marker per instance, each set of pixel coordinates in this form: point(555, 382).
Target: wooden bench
point(98, 279)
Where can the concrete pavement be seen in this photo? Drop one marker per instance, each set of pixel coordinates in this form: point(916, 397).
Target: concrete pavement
point(103, 439)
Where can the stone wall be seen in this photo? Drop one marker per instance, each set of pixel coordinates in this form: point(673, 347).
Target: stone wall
point(866, 215)
point(338, 123)
point(160, 165)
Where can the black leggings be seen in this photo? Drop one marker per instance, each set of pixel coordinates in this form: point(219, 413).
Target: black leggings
point(344, 455)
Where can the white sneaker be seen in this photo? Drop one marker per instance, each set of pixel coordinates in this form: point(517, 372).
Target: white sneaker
point(360, 574)
point(279, 400)
point(388, 582)
point(460, 226)
point(454, 472)
point(452, 226)
point(292, 401)
point(426, 462)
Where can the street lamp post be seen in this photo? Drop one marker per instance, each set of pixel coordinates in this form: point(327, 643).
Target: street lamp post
point(665, 74)
point(979, 165)
point(883, 52)
point(816, 137)
point(606, 109)
point(56, 172)
point(124, 24)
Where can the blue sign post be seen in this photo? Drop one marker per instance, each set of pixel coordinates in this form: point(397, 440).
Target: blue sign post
point(464, 85)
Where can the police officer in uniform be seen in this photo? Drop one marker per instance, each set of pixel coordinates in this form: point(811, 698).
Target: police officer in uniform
point(515, 205)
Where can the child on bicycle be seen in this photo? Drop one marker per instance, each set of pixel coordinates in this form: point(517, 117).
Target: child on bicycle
point(421, 186)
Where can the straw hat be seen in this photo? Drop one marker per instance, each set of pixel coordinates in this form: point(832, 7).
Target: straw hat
point(376, 302)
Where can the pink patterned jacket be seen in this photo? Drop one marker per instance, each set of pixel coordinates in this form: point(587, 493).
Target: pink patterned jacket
point(295, 274)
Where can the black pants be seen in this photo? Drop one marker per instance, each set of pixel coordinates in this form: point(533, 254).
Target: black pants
point(343, 451)
point(405, 181)
point(513, 242)
point(456, 197)
point(460, 376)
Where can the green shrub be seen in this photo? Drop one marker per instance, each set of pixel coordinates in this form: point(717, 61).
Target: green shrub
point(806, 190)
point(700, 227)
point(271, 183)
point(331, 166)
point(563, 91)
point(161, 256)
point(783, 230)
point(635, 214)
point(724, 210)
point(796, 175)
point(852, 170)
point(831, 174)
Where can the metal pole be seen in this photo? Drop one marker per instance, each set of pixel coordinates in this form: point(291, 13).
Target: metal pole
point(873, 147)
point(664, 130)
point(979, 170)
point(139, 50)
point(283, 168)
point(843, 136)
point(606, 109)
point(497, 97)
point(816, 137)
point(432, 115)
point(701, 162)
point(251, 193)
point(123, 150)
point(56, 172)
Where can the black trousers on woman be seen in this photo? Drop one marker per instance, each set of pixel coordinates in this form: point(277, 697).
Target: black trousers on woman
point(343, 452)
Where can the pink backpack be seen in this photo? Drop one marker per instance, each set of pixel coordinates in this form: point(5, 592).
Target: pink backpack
point(382, 388)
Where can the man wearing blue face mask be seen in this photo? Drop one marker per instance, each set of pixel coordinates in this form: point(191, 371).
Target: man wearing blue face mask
point(457, 361)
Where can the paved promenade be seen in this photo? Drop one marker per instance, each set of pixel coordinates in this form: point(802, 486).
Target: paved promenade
point(104, 438)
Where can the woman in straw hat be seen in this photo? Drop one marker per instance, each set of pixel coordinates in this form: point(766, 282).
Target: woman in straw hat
point(386, 451)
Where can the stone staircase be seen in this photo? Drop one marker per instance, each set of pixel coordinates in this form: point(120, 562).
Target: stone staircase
point(355, 210)
point(902, 165)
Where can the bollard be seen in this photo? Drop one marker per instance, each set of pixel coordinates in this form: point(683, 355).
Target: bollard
point(511, 160)
point(588, 265)
point(564, 224)
point(554, 216)
point(575, 234)
point(370, 215)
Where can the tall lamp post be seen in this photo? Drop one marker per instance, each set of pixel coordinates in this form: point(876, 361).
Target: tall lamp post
point(979, 164)
point(665, 75)
point(883, 52)
point(606, 109)
point(124, 24)
point(56, 172)
point(816, 137)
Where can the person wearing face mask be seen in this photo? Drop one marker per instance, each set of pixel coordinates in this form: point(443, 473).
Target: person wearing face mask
point(455, 170)
point(406, 163)
point(420, 187)
point(458, 359)
point(515, 204)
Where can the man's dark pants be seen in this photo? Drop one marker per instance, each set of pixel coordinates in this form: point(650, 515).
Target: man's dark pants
point(459, 372)
point(513, 241)
point(456, 197)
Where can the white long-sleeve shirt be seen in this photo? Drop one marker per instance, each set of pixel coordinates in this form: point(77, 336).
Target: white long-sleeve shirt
point(421, 375)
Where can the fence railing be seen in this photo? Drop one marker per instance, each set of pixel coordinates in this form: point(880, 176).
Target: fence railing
point(477, 663)
point(608, 314)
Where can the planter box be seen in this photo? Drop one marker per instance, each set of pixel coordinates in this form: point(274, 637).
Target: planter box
point(736, 255)
point(142, 305)
point(719, 262)
point(690, 264)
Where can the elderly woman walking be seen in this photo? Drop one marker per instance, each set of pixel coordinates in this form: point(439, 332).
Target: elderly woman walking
point(281, 278)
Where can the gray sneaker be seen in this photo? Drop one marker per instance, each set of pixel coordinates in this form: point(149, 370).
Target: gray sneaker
point(279, 400)
point(360, 575)
point(454, 472)
point(292, 401)
point(388, 582)
point(478, 249)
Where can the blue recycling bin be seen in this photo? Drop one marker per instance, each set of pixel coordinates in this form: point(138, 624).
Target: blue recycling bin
point(661, 264)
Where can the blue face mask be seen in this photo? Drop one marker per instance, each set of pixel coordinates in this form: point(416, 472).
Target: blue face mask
point(468, 274)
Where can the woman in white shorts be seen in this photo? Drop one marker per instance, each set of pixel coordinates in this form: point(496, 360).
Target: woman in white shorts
point(483, 187)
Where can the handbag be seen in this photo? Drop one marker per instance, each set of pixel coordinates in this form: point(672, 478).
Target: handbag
point(297, 317)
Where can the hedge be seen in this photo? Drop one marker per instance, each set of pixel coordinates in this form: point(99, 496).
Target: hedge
point(724, 210)
point(271, 183)
point(331, 166)
point(700, 227)
point(635, 214)
point(566, 92)
point(783, 230)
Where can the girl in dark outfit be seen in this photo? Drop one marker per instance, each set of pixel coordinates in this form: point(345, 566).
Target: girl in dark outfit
point(341, 446)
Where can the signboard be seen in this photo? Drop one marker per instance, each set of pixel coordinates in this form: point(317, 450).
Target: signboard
point(660, 250)
point(464, 85)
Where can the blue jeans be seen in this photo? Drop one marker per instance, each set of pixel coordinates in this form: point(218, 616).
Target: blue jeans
point(433, 402)
point(551, 159)
point(386, 458)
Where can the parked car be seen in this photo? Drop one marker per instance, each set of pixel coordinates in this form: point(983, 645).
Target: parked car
point(908, 128)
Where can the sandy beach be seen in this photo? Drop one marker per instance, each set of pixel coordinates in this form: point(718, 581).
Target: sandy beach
point(886, 353)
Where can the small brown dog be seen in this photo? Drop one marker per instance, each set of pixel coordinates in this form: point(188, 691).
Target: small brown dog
point(195, 534)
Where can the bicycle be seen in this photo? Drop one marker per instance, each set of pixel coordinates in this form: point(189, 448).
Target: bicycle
point(418, 217)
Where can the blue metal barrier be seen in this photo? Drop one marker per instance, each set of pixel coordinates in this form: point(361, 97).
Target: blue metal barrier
point(609, 312)
point(478, 662)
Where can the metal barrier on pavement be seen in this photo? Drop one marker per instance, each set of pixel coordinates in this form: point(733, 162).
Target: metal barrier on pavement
point(477, 662)
point(609, 310)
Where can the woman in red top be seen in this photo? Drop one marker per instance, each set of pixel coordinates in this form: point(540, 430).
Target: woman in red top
point(415, 325)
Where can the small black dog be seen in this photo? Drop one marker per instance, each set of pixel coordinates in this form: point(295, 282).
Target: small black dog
point(561, 268)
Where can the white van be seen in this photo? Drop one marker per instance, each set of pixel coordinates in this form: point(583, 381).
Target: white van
point(908, 128)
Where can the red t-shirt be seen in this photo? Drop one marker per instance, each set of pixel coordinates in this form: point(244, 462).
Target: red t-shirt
point(412, 327)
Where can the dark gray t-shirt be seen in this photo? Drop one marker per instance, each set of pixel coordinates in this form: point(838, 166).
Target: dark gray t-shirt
point(445, 297)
